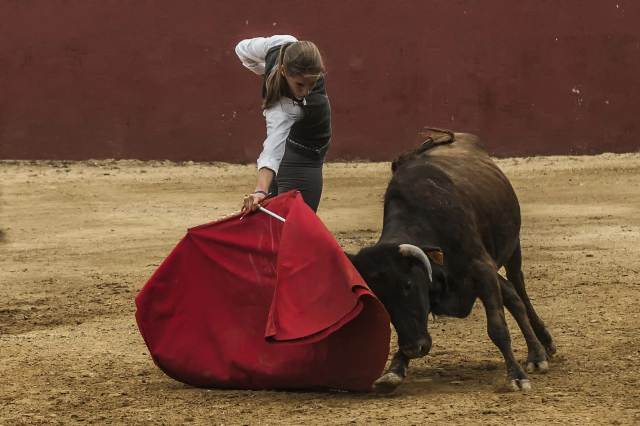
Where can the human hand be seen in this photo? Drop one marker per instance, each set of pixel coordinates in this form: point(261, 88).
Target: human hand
point(252, 201)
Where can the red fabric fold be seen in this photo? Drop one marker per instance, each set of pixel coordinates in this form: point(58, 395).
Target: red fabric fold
point(261, 304)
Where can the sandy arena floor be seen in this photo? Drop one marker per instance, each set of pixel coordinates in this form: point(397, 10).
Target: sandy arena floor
point(81, 238)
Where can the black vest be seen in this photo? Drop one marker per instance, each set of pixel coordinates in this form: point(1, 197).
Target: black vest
point(310, 135)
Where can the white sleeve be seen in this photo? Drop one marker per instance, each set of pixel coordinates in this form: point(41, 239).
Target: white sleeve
point(253, 51)
point(279, 117)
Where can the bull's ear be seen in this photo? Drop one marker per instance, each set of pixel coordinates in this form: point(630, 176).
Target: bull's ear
point(434, 254)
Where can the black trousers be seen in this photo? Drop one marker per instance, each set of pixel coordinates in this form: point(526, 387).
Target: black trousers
point(298, 171)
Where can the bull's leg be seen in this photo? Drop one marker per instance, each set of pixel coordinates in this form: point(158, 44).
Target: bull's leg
point(491, 297)
point(515, 276)
point(537, 356)
point(394, 376)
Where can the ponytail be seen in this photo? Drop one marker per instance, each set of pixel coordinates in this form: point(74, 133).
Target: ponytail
point(275, 81)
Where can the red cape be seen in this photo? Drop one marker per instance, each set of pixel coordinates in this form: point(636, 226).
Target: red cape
point(261, 304)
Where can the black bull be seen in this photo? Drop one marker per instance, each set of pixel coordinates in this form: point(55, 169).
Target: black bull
point(451, 221)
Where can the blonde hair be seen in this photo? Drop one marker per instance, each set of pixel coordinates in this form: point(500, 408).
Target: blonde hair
point(297, 58)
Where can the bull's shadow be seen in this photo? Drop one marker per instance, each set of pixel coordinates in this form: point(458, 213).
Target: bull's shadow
point(455, 377)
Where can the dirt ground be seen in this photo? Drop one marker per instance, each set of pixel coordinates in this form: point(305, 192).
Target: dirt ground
point(81, 238)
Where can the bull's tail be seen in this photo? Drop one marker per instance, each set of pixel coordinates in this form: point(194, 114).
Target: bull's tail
point(434, 137)
point(437, 136)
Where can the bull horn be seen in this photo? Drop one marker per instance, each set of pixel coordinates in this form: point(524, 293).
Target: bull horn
point(414, 251)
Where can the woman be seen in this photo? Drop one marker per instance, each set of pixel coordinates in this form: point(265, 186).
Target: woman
point(297, 114)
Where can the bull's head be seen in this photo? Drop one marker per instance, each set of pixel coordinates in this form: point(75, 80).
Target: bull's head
point(402, 278)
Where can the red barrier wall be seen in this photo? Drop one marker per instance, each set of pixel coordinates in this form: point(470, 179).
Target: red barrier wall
point(159, 79)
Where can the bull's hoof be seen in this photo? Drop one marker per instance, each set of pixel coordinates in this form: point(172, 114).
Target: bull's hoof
point(520, 385)
point(387, 383)
point(539, 367)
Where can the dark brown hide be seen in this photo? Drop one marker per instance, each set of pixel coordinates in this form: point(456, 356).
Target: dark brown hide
point(449, 195)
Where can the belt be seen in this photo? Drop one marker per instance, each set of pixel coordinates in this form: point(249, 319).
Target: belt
point(310, 151)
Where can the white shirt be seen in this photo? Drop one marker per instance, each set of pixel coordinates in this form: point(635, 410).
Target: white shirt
point(280, 116)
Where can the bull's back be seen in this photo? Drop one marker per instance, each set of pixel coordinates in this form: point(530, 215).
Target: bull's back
point(461, 186)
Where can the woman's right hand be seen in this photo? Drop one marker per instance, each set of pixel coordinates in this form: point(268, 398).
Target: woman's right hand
point(252, 201)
